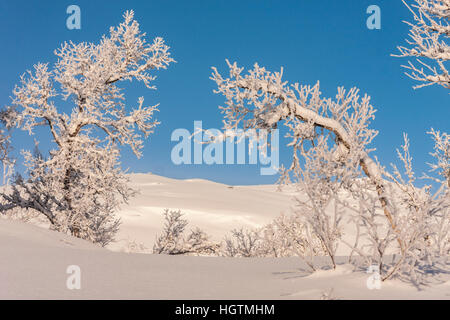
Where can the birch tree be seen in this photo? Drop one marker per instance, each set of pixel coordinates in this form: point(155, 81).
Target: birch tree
point(80, 184)
point(330, 141)
point(261, 99)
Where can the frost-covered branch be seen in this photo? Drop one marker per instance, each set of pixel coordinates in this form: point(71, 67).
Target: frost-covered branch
point(88, 74)
point(428, 42)
point(261, 99)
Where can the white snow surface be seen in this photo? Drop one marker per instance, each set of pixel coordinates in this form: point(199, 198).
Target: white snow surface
point(34, 260)
point(214, 207)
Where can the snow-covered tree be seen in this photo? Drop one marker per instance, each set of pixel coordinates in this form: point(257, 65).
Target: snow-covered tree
point(80, 184)
point(428, 42)
point(331, 165)
point(261, 99)
point(174, 241)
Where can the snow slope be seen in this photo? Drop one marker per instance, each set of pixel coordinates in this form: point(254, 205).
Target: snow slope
point(214, 207)
point(33, 264)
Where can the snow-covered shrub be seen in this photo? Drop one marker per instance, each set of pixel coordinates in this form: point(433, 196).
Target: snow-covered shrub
point(243, 243)
point(423, 216)
point(80, 184)
point(171, 241)
point(419, 241)
point(276, 239)
point(291, 236)
point(321, 181)
point(285, 236)
point(198, 242)
point(23, 215)
point(174, 241)
point(373, 235)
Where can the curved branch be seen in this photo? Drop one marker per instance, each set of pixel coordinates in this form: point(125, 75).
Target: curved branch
point(290, 107)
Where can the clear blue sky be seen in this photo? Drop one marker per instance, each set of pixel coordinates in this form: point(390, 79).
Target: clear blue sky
point(313, 40)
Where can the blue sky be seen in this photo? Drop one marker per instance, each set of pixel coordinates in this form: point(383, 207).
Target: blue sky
point(312, 40)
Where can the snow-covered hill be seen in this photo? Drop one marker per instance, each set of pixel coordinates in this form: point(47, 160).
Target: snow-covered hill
point(214, 207)
point(34, 261)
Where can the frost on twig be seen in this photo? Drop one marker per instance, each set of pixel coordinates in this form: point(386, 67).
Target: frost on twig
point(428, 43)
